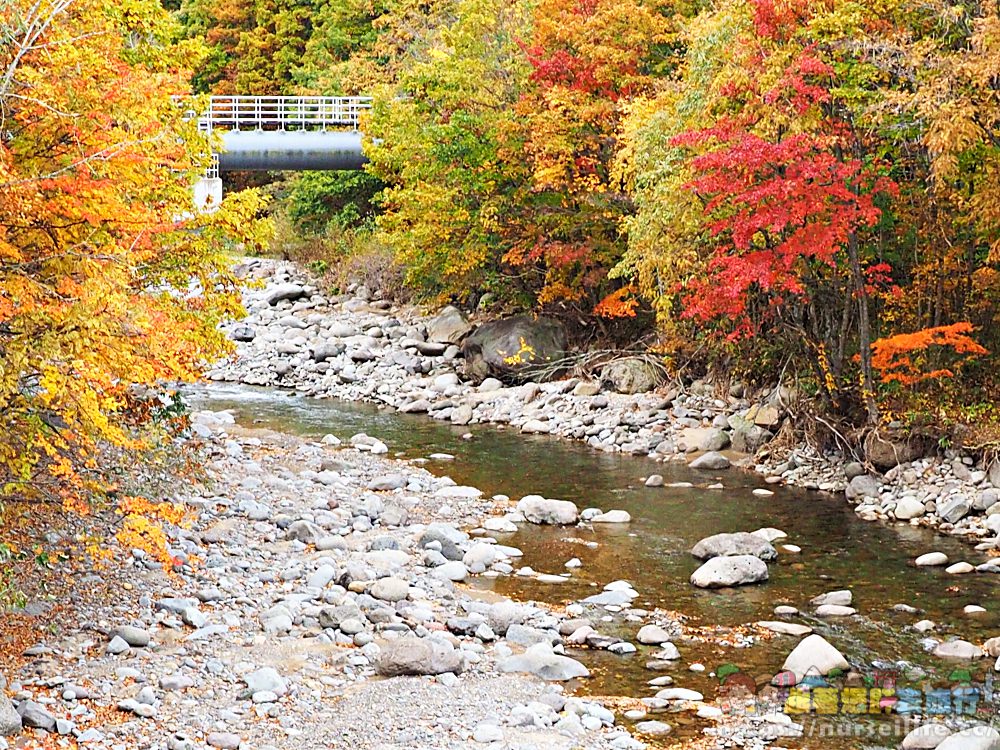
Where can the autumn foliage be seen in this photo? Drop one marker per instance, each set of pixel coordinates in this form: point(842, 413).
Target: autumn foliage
point(907, 358)
point(779, 184)
point(108, 280)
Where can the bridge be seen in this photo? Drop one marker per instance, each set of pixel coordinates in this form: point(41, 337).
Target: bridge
point(279, 133)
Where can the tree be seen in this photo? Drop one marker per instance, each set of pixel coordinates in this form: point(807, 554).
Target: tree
point(589, 58)
point(443, 141)
point(107, 279)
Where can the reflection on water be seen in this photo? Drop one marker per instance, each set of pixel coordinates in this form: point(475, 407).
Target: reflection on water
point(838, 550)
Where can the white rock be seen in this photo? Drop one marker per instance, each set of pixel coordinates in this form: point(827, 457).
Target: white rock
point(814, 653)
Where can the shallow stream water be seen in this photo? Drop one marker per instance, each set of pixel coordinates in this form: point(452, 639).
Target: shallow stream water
point(839, 550)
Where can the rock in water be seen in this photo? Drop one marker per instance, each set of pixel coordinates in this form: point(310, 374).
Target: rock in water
point(538, 509)
point(652, 635)
point(737, 570)
point(740, 543)
point(418, 656)
point(540, 661)
point(976, 738)
point(814, 655)
point(10, 720)
point(926, 737)
point(958, 650)
point(514, 346)
point(449, 326)
point(712, 461)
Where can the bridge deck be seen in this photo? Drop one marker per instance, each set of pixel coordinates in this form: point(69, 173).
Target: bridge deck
point(284, 112)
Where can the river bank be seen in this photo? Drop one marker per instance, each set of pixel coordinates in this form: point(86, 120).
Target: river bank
point(302, 576)
point(353, 348)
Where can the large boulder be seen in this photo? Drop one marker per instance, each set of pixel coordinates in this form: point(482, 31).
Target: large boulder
point(418, 656)
point(541, 661)
point(887, 452)
point(449, 326)
point(721, 572)
point(727, 545)
point(519, 347)
point(814, 655)
point(632, 374)
point(538, 509)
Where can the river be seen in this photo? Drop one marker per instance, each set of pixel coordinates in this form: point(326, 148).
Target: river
point(838, 550)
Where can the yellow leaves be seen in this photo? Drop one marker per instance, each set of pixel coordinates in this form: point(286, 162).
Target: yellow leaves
point(95, 265)
point(142, 526)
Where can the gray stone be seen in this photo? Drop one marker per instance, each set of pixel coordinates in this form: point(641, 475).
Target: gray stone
point(715, 440)
point(863, 485)
point(522, 635)
point(486, 733)
point(10, 720)
point(632, 374)
point(223, 740)
point(541, 661)
point(449, 326)
point(514, 346)
point(812, 655)
point(418, 656)
point(740, 543)
point(453, 570)
point(711, 461)
point(387, 482)
point(537, 509)
point(502, 615)
point(133, 636)
point(931, 559)
point(34, 716)
point(955, 509)
point(842, 598)
point(612, 516)
point(909, 507)
point(987, 499)
point(958, 650)
point(117, 645)
point(652, 635)
point(303, 531)
point(653, 728)
point(279, 292)
point(390, 589)
point(265, 678)
point(737, 570)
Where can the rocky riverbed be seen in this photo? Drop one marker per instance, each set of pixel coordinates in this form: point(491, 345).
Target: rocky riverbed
point(354, 347)
point(315, 601)
point(320, 594)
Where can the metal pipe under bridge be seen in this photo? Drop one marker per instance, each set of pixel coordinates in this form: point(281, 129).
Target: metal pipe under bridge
point(277, 133)
point(280, 133)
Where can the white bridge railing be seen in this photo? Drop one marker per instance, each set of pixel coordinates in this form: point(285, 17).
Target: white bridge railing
point(283, 112)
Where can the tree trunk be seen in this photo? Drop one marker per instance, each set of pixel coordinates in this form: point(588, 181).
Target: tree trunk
point(864, 330)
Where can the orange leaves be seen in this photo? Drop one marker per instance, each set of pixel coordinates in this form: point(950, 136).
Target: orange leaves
point(619, 304)
point(98, 245)
point(911, 358)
